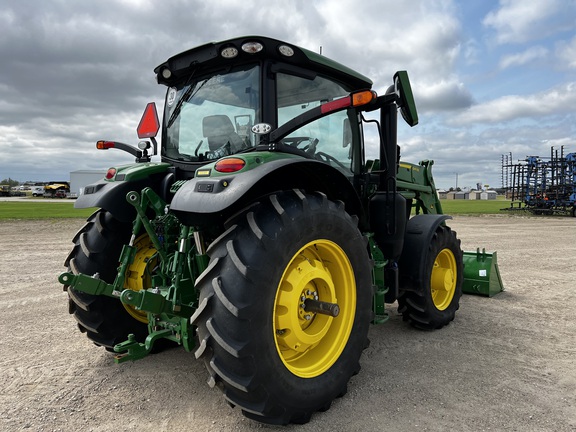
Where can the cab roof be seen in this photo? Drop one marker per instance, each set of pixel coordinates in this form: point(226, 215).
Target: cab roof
point(248, 48)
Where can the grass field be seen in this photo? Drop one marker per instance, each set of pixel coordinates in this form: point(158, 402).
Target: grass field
point(471, 207)
point(59, 210)
point(41, 210)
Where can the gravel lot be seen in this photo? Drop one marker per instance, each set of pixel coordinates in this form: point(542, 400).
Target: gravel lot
point(507, 363)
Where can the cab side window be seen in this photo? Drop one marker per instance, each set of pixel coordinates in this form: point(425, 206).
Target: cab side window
point(327, 139)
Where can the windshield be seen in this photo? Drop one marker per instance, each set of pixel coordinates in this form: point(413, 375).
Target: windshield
point(210, 117)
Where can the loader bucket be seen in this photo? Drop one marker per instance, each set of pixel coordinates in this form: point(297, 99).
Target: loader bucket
point(481, 274)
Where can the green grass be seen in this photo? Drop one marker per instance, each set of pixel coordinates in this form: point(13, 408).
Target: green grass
point(40, 210)
point(462, 207)
point(60, 210)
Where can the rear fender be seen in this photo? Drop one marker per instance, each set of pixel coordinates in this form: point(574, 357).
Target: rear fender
point(111, 195)
point(205, 201)
point(419, 232)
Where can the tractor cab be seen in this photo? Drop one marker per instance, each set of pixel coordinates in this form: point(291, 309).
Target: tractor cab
point(226, 98)
point(223, 99)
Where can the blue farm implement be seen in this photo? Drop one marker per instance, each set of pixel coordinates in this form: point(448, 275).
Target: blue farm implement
point(542, 186)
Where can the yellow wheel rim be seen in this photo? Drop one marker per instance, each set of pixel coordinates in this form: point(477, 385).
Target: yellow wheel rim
point(443, 279)
point(138, 275)
point(310, 343)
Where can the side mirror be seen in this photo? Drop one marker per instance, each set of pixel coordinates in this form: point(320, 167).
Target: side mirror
point(405, 99)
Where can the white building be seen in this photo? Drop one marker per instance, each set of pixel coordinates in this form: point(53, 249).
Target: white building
point(488, 195)
point(82, 178)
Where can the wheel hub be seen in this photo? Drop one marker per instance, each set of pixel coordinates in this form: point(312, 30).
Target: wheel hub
point(305, 280)
point(443, 279)
point(309, 334)
point(139, 273)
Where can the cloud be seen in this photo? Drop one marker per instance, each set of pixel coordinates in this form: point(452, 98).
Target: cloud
point(517, 21)
point(471, 52)
point(531, 55)
point(75, 72)
point(566, 52)
point(421, 37)
point(476, 155)
point(556, 101)
point(443, 95)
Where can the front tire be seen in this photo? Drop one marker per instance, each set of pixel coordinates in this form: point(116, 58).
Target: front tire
point(277, 361)
point(435, 302)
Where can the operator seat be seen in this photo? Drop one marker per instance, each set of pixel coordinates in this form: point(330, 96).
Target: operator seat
point(219, 131)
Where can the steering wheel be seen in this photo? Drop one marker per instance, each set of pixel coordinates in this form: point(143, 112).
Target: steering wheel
point(325, 157)
point(297, 141)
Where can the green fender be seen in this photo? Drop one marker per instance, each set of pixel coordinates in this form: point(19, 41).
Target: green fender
point(419, 232)
point(110, 194)
point(205, 201)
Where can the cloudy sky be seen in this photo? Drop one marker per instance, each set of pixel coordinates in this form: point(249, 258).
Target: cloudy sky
point(490, 77)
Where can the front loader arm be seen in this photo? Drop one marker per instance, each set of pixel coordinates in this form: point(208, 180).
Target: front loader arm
point(415, 182)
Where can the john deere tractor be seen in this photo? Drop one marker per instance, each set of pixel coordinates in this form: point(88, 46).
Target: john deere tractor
point(264, 241)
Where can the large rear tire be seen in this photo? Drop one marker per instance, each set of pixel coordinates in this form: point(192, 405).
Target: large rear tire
point(97, 247)
point(434, 304)
point(277, 361)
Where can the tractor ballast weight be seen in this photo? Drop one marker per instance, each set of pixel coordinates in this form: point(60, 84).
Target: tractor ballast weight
point(263, 241)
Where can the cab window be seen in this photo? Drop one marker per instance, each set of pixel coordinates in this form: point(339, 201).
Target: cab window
point(327, 139)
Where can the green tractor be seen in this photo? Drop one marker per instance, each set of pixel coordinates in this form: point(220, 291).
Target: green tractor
point(264, 242)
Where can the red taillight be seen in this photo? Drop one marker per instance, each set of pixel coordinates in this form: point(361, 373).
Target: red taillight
point(336, 104)
point(110, 173)
point(355, 99)
point(229, 165)
point(104, 145)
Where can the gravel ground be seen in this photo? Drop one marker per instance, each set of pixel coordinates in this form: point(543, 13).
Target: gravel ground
point(506, 363)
